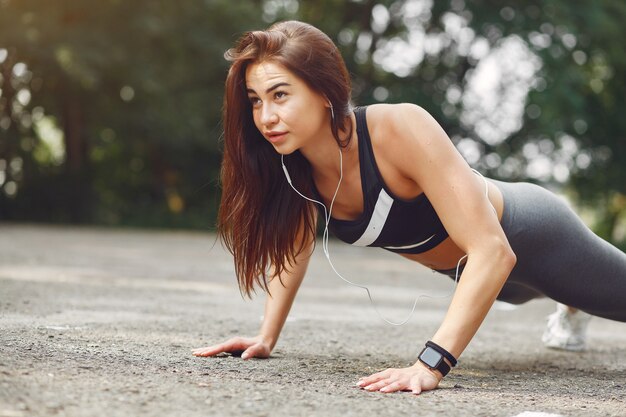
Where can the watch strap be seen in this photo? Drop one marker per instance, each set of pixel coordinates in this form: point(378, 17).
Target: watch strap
point(444, 352)
point(444, 368)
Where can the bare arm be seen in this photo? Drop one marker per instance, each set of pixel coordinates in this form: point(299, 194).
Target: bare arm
point(458, 196)
point(422, 152)
point(277, 306)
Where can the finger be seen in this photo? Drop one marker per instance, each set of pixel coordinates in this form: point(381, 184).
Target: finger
point(250, 353)
point(415, 386)
point(378, 385)
point(373, 378)
point(258, 350)
point(220, 347)
point(207, 352)
point(393, 387)
point(230, 345)
point(215, 349)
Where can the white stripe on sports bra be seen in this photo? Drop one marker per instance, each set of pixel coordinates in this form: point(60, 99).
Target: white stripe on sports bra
point(377, 221)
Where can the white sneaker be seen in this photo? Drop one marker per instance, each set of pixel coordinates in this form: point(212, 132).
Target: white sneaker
point(566, 330)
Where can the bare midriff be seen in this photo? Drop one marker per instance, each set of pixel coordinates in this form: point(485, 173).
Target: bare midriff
point(446, 255)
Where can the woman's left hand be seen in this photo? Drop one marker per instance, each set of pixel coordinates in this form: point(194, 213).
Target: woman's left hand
point(416, 378)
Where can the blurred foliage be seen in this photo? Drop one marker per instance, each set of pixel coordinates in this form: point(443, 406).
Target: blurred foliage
point(136, 89)
point(131, 93)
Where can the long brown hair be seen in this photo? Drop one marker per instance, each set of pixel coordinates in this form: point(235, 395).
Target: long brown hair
point(260, 218)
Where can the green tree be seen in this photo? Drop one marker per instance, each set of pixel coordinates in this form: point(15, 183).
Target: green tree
point(136, 89)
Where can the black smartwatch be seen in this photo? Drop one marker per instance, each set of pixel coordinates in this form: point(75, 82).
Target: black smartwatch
point(434, 360)
point(433, 357)
point(444, 352)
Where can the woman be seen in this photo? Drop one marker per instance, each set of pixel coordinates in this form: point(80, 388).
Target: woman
point(391, 178)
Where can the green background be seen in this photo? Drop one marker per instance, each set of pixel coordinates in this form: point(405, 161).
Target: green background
point(110, 109)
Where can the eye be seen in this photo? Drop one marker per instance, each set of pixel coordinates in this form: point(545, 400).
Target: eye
point(280, 94)
point(255, 101)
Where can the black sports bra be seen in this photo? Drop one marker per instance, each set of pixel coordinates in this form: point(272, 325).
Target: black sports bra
point(387, 221)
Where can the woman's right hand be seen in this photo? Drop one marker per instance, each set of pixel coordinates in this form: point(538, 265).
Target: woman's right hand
point(249, 347)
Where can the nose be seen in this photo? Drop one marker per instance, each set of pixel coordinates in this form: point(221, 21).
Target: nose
point(268, 115)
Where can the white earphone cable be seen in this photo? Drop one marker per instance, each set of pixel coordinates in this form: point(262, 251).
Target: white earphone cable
point(327, 217)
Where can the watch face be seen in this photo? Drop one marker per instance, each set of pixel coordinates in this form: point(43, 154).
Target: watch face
point(431, 357)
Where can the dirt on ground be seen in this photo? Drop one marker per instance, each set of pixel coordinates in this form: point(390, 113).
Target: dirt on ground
point(97, 321)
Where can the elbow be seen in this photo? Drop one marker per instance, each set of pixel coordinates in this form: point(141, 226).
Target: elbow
point(505, 255)
point(511, 259)
point(499, 254)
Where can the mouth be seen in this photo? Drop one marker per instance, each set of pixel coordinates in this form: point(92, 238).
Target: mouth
point(275, 137)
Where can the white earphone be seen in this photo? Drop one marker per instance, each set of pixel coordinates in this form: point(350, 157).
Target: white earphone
point(327, 217)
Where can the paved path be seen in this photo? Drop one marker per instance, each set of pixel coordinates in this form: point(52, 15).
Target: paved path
point(101, 322)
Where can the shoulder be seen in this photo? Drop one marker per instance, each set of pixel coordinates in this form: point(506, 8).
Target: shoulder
point(393, 112)
point(408, 138)
point(396, 126)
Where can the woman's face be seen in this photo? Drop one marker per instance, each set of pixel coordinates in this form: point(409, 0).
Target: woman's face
point(288, 113)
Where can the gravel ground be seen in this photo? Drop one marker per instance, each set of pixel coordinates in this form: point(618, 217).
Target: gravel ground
point(98, 321)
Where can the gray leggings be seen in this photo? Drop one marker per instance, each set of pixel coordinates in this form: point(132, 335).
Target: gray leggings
point(558, 256)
